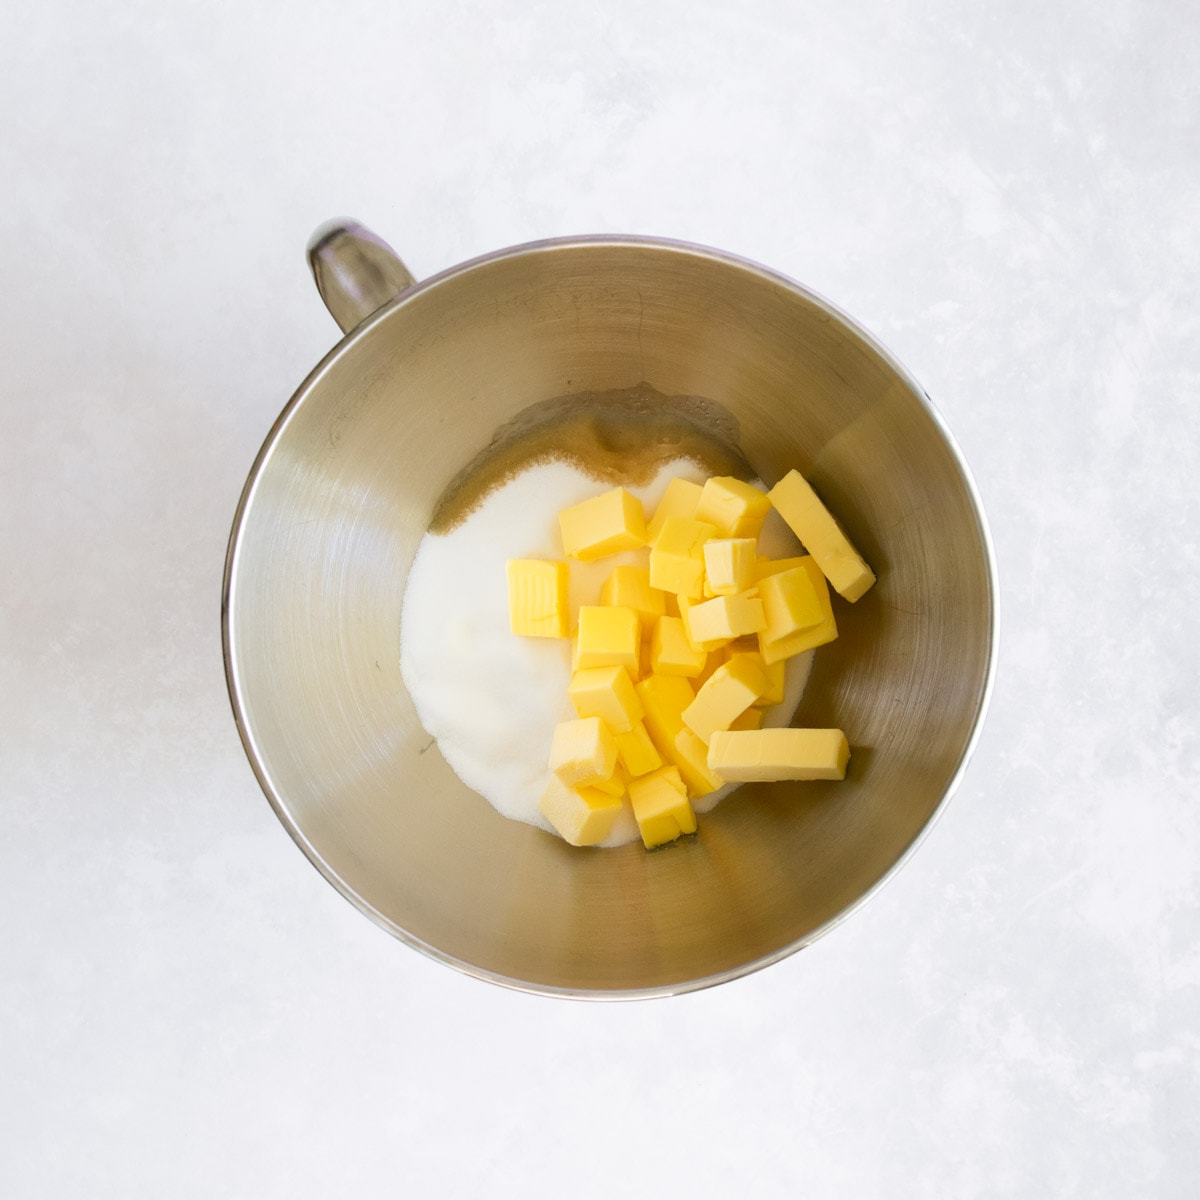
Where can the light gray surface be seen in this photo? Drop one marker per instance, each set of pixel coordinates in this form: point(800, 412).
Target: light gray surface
point(1006, 196)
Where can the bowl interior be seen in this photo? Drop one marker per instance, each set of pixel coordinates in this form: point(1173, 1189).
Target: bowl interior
point(338, 502)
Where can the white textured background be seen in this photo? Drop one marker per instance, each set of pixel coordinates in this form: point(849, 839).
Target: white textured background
point(1007, 193)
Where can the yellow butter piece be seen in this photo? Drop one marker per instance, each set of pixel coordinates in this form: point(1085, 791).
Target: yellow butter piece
point(823, 631)
point(775, 566)
point(791, 602)
point(798, 643)
point(821, 535)
point(616, 783)
point(752, 718)
point(713, 622)
point(636, 752)
point(746, 644)
point(733, 688)
point(607, 693)
point(774, 673)
point(677, 557)
point(712, 661)
point(763, 755)
point(685, 615)
point(582, 816)
point(537, 597)
point(733, 507)
point(664, 697)
point(608, 637)
point(583, 751)
point(671, 651)
point(661, 807)
point(679, 500)
point(629, 587)
point(691, 757)
point(728, 565)
point(605, 524)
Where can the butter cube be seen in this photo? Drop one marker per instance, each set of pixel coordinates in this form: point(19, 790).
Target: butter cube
point(726, 617)
point(608, 637)
point(775, 566)
point(583, 752)
point(685, 615)
point(733, 688)
point(679, 500)
point(825, 630)
point(736, 509)
point(752, 718)
point(791, 602)
point(763, 755)
point(797, 643)
point(774, 673)
point(537, 597)
point(671, 651)
point(616, 783)
point(664, 697)
point(677, 557)
point(661, 807)
point(728, 565)
point(607, 693)
point(636, 752)
point(821, 535)
point(629, 587)
point(603, 525)
point(691, 757)
point(582, 816)
point(713, 660)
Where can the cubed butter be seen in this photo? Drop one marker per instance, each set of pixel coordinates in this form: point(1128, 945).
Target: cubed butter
point(636, 752)
point(583, 816)
point(671, 651)
point(752, 718)
point(677, 557)
point(605, 524)
point(733, 688)
point(616, 783)
point(825, 630)
point(763, 755)
point(664, 697)
point(629, 587)
point(608, 637)
point(685, 615)
point(821, 535)
point(728, 565)
point(733, 507)
point(798, 643)
point(774, 673)
point(713, 622)
point(583, 751)
point(775, 566)
point(679, 500)
point(537, 597)
point(712, 661)
point(791, 602)
point(607, 693)
point(691, 757)
point(661, 807)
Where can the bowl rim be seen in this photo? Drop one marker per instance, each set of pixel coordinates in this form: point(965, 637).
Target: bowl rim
point(413, 294)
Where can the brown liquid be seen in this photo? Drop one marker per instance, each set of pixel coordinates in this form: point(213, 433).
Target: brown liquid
point(619, 438)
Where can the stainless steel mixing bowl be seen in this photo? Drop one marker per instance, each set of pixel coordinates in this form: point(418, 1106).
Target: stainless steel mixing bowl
point(340, 496)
